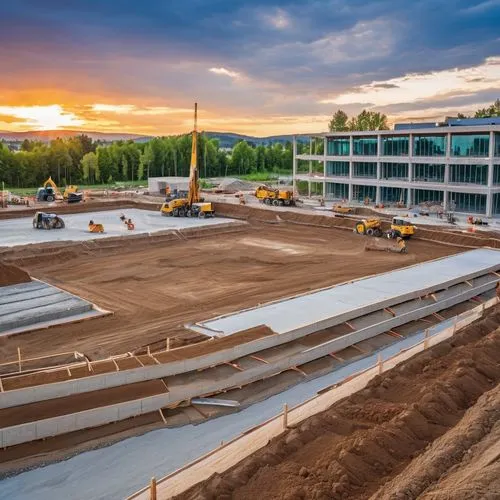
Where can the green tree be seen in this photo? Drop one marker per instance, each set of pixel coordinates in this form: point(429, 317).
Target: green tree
point(243, 158)
point(338, 123)
point(368, 120)
point(90, 167)
point(492, 111)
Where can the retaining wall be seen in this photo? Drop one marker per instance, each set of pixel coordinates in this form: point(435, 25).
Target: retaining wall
point(30, 431)
point(233, 452)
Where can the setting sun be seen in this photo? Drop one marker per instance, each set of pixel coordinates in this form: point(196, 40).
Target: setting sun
point(41, 117)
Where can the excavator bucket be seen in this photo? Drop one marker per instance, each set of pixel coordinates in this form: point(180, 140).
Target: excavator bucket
point(386, 245)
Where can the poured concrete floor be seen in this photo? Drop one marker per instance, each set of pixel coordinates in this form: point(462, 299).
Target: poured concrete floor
point(20, 231)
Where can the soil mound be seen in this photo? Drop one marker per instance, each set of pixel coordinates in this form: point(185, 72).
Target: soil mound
point(12, 275)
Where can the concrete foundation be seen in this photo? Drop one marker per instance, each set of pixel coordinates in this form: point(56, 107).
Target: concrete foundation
point(20, 231)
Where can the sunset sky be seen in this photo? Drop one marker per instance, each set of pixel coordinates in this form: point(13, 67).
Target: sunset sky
point(256, 67)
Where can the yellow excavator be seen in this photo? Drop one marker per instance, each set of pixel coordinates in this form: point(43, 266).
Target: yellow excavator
point(192, 206)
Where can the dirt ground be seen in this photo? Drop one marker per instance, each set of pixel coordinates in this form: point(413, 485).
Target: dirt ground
point(154, 289)
point(12, 275)
point(429, 429)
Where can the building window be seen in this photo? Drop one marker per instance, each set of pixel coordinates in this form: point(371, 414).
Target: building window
point(429, 145)
point(337, 168)
point(496, 174)
point(496, 203)
point(337, 146)
point(427, 197)
point(497, 144)
point(365, 169)
point(470, 145)
point(361, 193)
point(469, 174)
point(336, 191)
point(396, 171)
point(467, 202)
point(395, 146)
point(365, 146)
point(427, 172)
point(393, 195)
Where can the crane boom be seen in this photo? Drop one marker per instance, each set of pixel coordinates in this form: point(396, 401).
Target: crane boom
point(193, 196)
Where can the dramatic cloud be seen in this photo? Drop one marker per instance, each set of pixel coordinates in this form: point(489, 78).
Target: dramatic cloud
point(140, 66)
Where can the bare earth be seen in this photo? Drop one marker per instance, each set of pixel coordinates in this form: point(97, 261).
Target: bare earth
point(154, 289)
point(427, 429)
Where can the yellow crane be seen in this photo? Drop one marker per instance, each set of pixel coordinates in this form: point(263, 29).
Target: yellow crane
point(192, 206)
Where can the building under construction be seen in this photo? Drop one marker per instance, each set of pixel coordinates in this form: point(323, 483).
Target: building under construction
point(455, 163)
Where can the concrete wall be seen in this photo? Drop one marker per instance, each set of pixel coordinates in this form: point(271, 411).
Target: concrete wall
point(31, 431)
point(98, 382)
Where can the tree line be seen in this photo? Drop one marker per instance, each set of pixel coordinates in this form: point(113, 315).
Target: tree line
point(80, 160)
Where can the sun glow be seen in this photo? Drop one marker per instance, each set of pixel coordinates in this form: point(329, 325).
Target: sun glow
point(41, 117)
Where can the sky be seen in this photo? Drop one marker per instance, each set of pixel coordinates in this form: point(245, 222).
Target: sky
point(255, 67)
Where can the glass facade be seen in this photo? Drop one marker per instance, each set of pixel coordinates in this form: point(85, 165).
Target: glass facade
point(335, 191)
point(467, 202)
point(395, 146)
point(396, 171)
point(337, 168)
point(496, 149)
point(427, 196)
point(496, 174)
point(427, 172)
point(337, 146)
point(469, 174)
point(360, 193)
point(393, 195)
point(470, 145)
point(496, 204)
point(366, 146)
point(429, 145)
point(365, 169)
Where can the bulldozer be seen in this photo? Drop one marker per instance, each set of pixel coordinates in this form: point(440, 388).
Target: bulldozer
point(276, 197)
point(42, 220)
point(192, 205)
point(369, 227)
point(388, 244)
point(339, 209)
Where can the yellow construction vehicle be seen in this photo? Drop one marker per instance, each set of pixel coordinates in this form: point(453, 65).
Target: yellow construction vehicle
point(397, 245)
point(403, 228)
point(95, 228)
point(369, 227)
point(276, 197)
point(339, 209)
point(69, 190)
point(192, 205)
point(48, 192)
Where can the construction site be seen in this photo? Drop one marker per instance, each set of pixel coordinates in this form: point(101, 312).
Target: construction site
point(243, 346)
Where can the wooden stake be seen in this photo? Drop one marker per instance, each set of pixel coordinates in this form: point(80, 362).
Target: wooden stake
point(168, 343)
point(1, 385)
point(163, 417)
point(19, 359)
point(426, 338)
point(149, 351)
point(380, 364)
point(285, 416)
point(152, 489)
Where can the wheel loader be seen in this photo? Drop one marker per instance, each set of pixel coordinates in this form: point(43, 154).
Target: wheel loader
point(275, 197)
point(339, 209)
point(369, 227)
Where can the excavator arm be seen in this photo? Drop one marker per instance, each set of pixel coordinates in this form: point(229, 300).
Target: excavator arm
point(193, 193)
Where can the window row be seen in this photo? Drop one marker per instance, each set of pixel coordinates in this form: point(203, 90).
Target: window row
point(462, 145)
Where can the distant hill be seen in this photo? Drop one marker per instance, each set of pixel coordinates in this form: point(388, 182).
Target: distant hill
point(226, 139)
point(50, 135)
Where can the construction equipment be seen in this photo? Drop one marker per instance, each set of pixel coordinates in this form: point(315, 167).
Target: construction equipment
point(69, 190)
point(95, 228)
point(339, 209)
point(192, 205)
point(49, 192)
point(42, 220)
point(369, 227)
point(402, 227)
point(276, 197)
point(397, 245)
point(476, 221)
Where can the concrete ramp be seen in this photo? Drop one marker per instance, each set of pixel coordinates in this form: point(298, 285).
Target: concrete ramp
point(35, 305)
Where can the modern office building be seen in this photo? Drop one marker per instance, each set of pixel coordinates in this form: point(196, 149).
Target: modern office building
point(455, 163)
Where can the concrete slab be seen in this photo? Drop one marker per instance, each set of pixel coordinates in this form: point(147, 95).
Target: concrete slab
point(37, 305)
point(359, 297)
point(20, 231)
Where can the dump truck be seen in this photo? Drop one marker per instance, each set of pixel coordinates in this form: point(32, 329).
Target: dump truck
point(43, 220)
point(276, 197)
point(192, 205)
point(369, 227)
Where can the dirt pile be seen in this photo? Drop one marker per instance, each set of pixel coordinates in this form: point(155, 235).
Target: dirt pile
point(12, 275)
point(365, 444)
